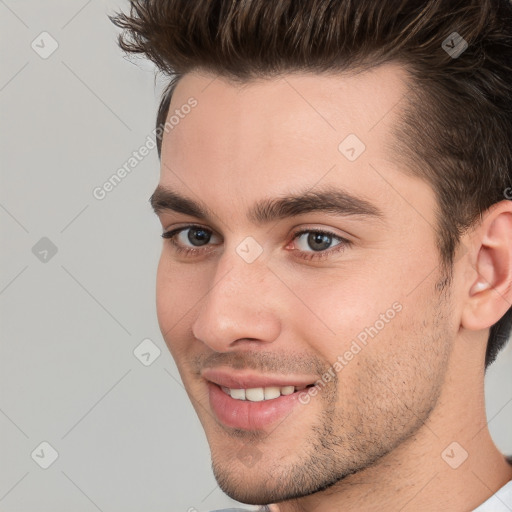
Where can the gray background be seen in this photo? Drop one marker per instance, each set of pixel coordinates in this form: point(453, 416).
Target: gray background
point(126, 436)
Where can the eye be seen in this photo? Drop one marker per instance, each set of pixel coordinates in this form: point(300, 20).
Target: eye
point(316, 240)
point(189, 239)
point(317, 244)
point(197, 236)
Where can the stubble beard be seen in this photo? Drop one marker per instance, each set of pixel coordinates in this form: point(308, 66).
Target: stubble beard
point(346, 439)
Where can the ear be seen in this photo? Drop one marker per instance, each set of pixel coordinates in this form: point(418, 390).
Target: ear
point(489, 290)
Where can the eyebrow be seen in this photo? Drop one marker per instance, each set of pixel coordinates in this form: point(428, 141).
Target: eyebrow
point(328, 200)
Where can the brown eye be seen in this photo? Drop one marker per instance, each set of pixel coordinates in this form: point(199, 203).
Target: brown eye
point(198, 236)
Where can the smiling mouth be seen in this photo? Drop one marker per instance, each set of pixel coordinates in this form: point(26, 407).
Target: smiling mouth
point(246, 401)
point(262, 394)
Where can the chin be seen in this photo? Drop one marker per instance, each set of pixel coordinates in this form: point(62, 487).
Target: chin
point(262, 477)
point(253, 486)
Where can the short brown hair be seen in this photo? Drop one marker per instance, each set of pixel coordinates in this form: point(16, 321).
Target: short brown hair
point(455, 129)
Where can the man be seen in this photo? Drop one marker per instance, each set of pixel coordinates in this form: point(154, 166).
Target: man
point(336, 273)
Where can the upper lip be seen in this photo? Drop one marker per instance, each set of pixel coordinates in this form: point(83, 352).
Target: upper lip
point(234, 379)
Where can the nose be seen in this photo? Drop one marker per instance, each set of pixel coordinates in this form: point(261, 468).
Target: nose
point(240, 307)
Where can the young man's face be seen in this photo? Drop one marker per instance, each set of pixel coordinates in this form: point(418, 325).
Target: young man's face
point(354, 310)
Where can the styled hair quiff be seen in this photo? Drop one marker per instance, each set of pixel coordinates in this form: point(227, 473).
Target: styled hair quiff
point(455, 128)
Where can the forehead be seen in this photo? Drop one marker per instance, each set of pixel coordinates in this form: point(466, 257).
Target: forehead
point(296, 130)
point(297, 103)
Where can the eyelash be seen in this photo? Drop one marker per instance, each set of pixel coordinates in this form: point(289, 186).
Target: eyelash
point(307, 255)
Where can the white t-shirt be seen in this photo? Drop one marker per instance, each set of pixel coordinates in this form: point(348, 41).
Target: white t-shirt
point(501, 501)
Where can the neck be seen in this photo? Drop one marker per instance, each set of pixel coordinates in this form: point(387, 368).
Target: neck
point(450, 463)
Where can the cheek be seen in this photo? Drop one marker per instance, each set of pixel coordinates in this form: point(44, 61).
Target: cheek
point(332, 309)
point(409, 341)
point(407, 362)
point(371, 309)
point(394, 381)
point(178, 290)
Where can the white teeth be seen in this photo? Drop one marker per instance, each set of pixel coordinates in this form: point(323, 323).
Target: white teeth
point(272, 392)
point(260, 394)
point(255, 394)
point(238, 394)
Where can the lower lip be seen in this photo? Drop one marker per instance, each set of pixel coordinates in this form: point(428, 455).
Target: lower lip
point(246, 415)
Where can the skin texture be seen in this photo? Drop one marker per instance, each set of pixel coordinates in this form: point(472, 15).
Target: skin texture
point(373, 437)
